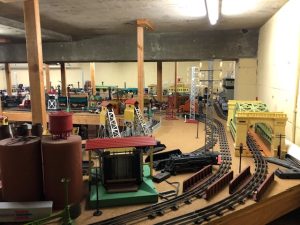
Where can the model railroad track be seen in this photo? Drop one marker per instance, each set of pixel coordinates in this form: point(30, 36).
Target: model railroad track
point(161, 208)
point(219, 111)
point(210, 143)
point(207, 213)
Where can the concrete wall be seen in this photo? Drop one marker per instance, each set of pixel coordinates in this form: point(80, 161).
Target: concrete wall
point(245, 80)
point(278, 65)
point(108, 73)
point(116, 73)
point(2, 78)
point(19, 73)
point(222, 44)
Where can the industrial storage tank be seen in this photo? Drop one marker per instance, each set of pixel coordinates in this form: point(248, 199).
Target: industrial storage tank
point(21, 169)
point(62, 158)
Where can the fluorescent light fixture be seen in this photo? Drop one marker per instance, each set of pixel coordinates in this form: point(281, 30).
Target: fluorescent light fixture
point(191, 8)
point(212, 11)
point(237, 7)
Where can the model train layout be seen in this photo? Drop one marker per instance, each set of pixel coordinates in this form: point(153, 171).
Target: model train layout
point(115, 173)
point(211, 211)
point(119, 175)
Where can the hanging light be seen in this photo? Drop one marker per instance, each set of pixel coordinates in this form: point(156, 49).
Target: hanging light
point(212, 7)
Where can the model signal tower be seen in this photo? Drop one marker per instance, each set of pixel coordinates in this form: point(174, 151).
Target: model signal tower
point(194, 92)
point(207, 76)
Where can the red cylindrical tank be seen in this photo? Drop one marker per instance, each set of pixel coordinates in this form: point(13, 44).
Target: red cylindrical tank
point(21, 169)
point(62, 158)
point(60, 124)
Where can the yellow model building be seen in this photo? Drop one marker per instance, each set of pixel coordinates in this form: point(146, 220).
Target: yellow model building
point(270, 126)
point(180, 88)
point(129, 110)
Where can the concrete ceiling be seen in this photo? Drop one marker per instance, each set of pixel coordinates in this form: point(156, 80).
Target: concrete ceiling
point(63, 20)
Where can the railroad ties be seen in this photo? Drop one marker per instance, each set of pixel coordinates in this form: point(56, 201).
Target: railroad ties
point(229, 203)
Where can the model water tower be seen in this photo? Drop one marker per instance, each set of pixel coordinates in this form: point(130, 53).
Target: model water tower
point(62, 158)
point(60, 124)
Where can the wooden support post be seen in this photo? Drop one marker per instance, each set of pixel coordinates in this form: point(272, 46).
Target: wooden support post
point(48, 84)
point(159, 81)
point(63, 79)
point(8, 79)
point(140, 55)
point(175, 84)
point(93, 83)
point(35, 61)
point(1, 107)
point(151, 161)
point(141, 24)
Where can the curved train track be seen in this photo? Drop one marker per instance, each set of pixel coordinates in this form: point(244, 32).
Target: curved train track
point(219, 111)
point(229, 203)
point(173, 204)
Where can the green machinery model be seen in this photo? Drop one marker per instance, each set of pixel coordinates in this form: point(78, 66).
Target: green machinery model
point(264, 131)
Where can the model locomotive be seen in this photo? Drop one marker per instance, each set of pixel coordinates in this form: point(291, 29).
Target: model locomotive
point(190, 162)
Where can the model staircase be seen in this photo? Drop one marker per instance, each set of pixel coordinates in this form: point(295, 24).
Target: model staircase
point(142, 122)
point(113, 125)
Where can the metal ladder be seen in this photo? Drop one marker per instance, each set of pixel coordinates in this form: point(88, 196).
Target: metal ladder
point(113, 125)
point(142, 122)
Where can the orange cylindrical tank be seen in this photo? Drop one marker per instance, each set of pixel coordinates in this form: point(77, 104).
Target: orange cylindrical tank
point(62, 158)
point(21, 169)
